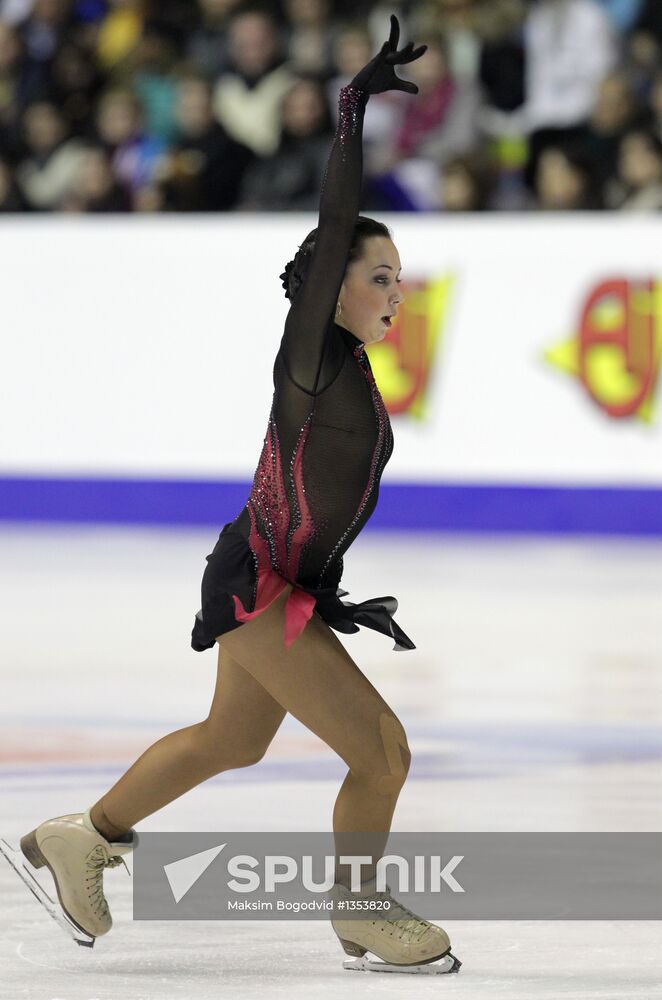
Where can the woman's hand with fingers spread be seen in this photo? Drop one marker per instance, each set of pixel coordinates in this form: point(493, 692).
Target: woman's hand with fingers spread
point(379, 74)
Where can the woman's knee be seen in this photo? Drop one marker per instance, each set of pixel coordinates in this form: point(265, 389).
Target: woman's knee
point(223, 755)
point(386, 757)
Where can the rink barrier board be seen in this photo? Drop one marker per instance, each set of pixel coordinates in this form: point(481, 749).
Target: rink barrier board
point(449, 507)
point(542, 365)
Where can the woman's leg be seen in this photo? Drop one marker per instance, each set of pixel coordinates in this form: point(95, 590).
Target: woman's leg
point(241, 724)
point(317, 681)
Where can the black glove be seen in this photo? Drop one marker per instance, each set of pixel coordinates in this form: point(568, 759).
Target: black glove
point(379, 74)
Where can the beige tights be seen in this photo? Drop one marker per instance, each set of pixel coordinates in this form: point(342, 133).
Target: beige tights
point(258, 681)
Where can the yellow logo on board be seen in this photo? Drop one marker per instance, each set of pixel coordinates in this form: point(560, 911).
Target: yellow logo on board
point(617, 348)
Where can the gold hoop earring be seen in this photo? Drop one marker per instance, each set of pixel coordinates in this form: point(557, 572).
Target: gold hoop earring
point(338, 309)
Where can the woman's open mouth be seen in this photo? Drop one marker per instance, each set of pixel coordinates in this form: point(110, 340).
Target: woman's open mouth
point(386, 320)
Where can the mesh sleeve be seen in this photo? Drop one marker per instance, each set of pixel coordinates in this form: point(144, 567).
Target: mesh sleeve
point(310, 315)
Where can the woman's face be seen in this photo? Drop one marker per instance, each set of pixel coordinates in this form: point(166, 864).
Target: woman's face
point(44, 127)
point(253, 43)
point(559, 184)
point(306, 12)
point(193, 110)
point(303, 109)
point(639, 163)
point(458, 191)
point(371, 290)
point(351, 51)
point(118, 119)
point(614, 104)
point(431, 70)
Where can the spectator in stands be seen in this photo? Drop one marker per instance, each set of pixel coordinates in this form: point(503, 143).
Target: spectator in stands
point(119, 32)
point(615, 110)
point(95, 187)
point(650, 19)
point(11, 199)
point(442, 122)
point(466, 184)
point(656, 105)
point(436, 92)
point(639, 184)
point(247, 100)
point(173, 20)
point(205, 167)
point(14, 88)
point(43, 31)
point(623, 13)
point(509, 79)
point(207, 47)
point(310, 37)
point(51, 159)
point(152, 67)
point(351, 45)
point(570, 47)
point(456, 20)
point(76, 83)
point(564, 181)
point(291, 178)
point(352, 49)
point(644, 46)
point(502, 58)
point(133, 153)
point(14, 11)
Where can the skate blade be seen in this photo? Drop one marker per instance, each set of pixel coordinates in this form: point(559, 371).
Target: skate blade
point(449, 963)
point(22, 867)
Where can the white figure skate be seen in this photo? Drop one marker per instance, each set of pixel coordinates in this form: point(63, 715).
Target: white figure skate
point(403, 941)
point(76, 855)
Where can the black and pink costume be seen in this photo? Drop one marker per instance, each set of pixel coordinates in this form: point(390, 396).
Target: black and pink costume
point(327, 442)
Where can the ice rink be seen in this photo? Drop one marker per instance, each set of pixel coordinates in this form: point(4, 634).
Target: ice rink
point(533, 702)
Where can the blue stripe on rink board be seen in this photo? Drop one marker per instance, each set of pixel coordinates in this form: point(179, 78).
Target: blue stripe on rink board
point(406, 507)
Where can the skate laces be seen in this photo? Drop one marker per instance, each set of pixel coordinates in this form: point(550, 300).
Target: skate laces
point(409, 923)
point(97, 860)
point(416, 926)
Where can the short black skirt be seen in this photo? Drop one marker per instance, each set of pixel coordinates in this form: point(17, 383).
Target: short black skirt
point(232, 571)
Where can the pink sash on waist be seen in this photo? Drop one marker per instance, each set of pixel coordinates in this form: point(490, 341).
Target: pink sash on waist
point(298, 609)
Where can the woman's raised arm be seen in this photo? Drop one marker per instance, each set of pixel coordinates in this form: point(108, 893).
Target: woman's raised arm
point(302, 345)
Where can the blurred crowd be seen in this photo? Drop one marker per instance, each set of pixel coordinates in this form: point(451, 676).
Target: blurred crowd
point(223, 105)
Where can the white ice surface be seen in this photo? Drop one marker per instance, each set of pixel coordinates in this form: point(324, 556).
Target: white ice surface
point(532, 702)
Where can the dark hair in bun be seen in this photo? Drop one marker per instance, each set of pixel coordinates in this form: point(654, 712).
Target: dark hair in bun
point(295, 271)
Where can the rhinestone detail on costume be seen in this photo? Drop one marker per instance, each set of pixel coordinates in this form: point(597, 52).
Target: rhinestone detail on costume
point(278, 535)
point(350, 100)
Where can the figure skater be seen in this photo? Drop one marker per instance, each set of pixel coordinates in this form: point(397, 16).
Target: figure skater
point(270, 590)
